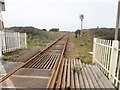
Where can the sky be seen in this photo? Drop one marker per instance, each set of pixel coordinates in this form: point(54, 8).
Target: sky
point(63, 14)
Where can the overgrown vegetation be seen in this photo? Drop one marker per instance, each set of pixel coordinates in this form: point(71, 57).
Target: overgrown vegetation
point(54, 30)
point(77, 33)
point(81, 49)
point(37, 43)
point(37, 38)
point(104, 33)
point(84, 44)
point(7, 58)
point(78, 68)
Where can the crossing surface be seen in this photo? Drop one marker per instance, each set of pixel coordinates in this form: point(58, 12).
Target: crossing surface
point(50, 69)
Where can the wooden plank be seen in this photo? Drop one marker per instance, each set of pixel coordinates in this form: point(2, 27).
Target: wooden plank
point(63, 81)
point(100, 77)
point(54, 76)
point(76, 77)
point(85, 79)
point(72, 76)
point(88, 78)
point(68, 74)
point(64, 75)
point(82, 85)
point(21, 76)
point(52, 81)
point(92, 78)
point(104, 78)
point(59, 78)
point(96, 77)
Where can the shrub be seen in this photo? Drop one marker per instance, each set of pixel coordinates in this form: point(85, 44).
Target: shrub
point(54, 30)
point(8, 57)
point(77, 68)
point(77, 58)
point(44, 30)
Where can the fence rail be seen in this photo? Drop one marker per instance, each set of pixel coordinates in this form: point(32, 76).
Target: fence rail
point(106, 55)
point(10, 41)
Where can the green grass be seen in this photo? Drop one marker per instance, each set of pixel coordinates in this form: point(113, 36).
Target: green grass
point(78, 68)
point(7, 58)
point(37, 43)
point(41, 39)
point(82, 47)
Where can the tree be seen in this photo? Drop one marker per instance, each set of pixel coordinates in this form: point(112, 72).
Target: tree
point(54, 30)
point(77, 32)
point(44, 30)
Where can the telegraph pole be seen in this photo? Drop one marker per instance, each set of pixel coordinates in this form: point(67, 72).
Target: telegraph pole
point(81, 18)
point(117, 22)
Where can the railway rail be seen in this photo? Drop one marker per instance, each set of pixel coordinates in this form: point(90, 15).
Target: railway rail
point(43, 62)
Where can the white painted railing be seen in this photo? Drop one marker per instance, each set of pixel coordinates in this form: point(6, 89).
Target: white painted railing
point(106, 55)
point(10, 41)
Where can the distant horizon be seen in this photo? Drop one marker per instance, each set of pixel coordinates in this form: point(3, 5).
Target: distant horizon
point(63, 30)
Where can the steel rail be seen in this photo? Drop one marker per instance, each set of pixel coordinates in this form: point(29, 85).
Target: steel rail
point(56, 69)
point(27, 63)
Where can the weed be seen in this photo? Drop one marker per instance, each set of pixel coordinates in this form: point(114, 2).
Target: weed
point(17, 55)
point(8, 57)
point(77, 58)
point(75, 68)
point(78, 68)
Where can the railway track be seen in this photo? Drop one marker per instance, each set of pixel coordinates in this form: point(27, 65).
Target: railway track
point(50, 69)
point(39, 69)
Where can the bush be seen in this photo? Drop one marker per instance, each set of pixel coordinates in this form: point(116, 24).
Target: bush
point(44, 30)
point(54, 30)
point(78, 68)
point(78, 31)
point(77, 58)
point(7, 57)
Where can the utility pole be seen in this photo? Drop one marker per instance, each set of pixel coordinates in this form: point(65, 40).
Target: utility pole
point(117, 22)
point(81, 18)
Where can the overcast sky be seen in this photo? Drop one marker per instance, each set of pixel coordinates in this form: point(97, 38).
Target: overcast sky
point(63, 14)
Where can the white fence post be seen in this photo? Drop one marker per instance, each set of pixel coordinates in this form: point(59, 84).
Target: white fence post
point(25, 40)
point(113, 59)
point(10, 41)
point(94, 51)
point(19, 46)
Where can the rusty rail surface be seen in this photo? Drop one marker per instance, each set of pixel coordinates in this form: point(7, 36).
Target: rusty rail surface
point(57, 69)
point(28, 62)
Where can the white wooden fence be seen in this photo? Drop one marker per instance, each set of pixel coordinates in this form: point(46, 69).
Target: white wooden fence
point(10, 41)
point(106, 55)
